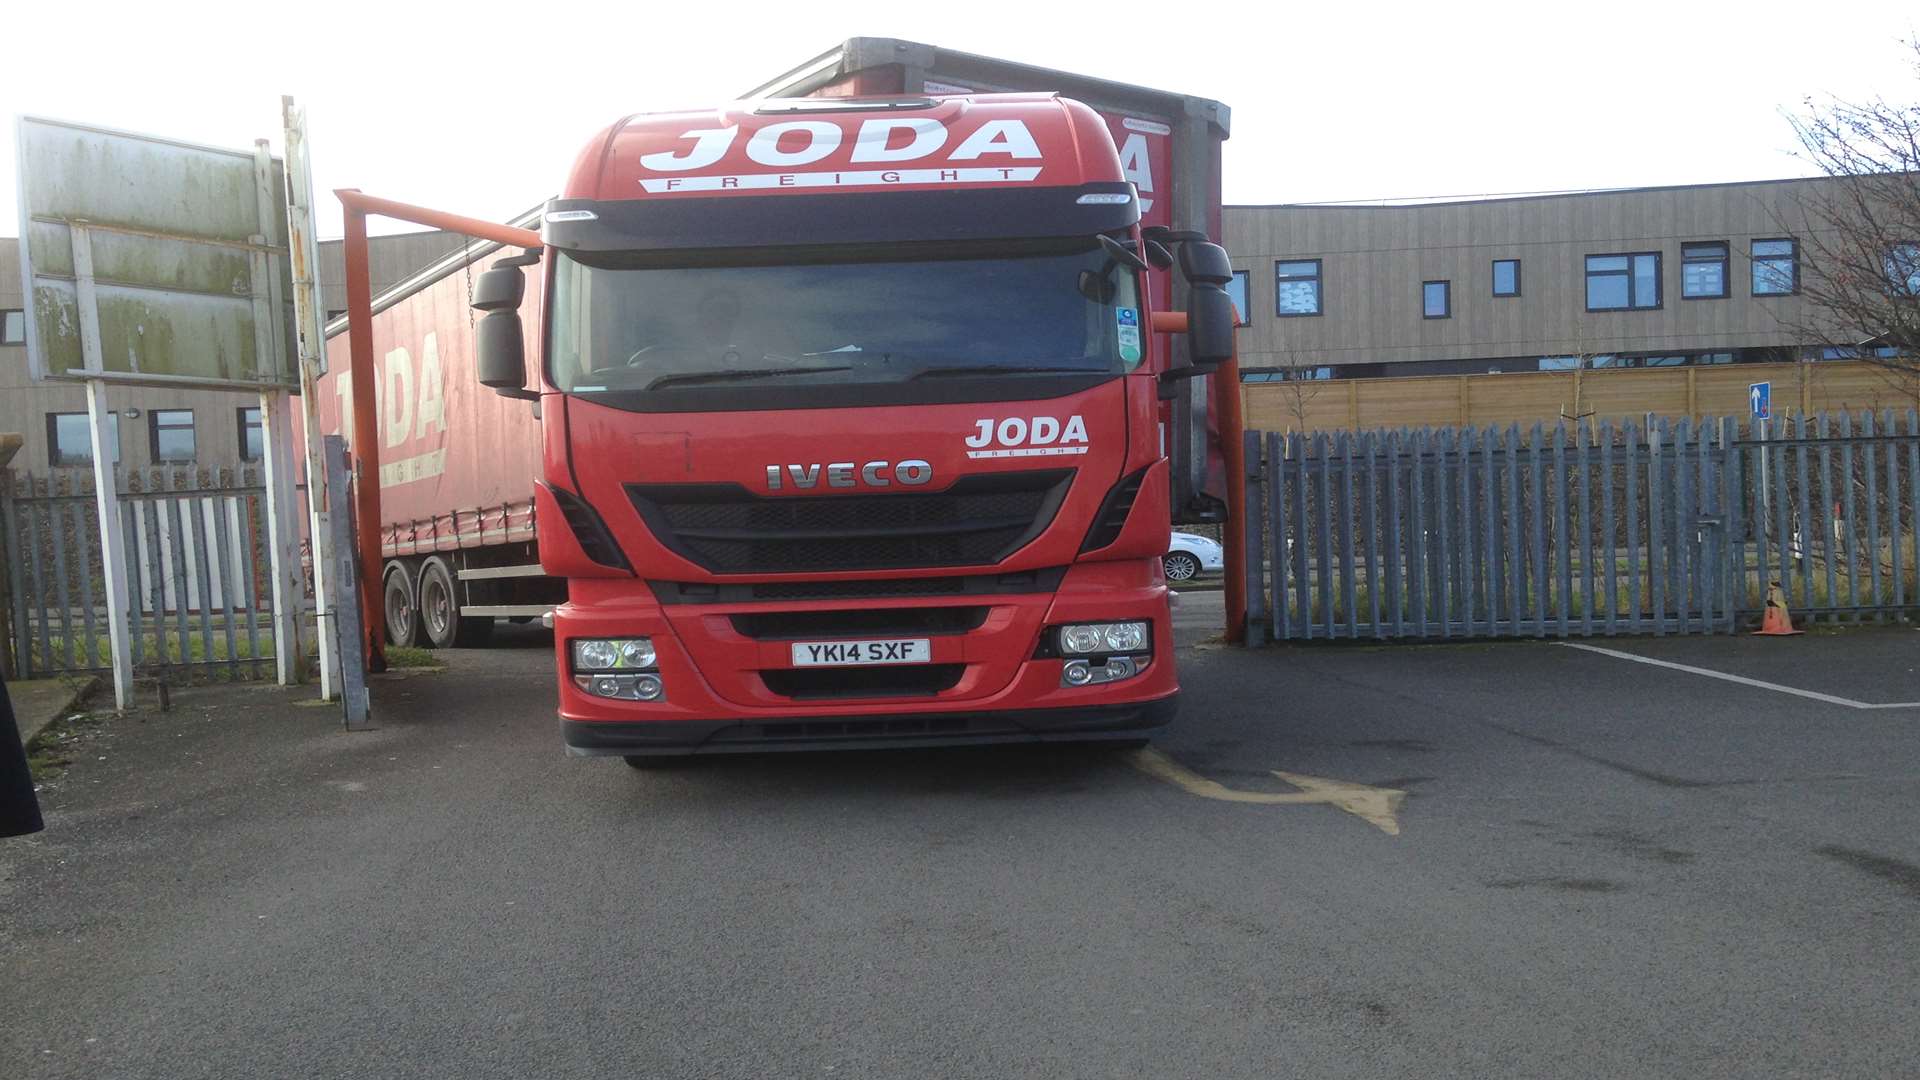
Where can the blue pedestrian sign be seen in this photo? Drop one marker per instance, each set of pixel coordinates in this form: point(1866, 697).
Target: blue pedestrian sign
point(1760, 400)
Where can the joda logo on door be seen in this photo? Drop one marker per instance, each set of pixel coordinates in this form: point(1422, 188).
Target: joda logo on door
point(1040, 436)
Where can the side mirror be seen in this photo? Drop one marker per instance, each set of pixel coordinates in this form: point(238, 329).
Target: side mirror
point(1209, 327)
point(1210, 315)
point(500, 347)
point(502, 355)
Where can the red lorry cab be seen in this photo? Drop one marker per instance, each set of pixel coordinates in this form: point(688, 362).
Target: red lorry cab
point(848, 416)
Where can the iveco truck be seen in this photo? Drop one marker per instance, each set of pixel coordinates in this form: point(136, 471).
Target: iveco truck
point(828, 421)
point(849, 415)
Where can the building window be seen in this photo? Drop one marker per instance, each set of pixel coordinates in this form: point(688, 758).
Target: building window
point(69, 441)
point(249, 433)
point(1436, 299)
point(1623, 282)
point(13, 327)
point(1776, 267)
point(1703, 271)
point(170, 434)
point(1296, 289)
point(1237, 291)
point(1506, 277)
point(1902, 265)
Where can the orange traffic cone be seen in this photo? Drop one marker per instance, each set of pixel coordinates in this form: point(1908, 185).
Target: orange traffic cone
point(1776, 622)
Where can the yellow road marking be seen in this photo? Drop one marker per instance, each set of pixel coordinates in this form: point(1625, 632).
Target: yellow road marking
point(1378, 807)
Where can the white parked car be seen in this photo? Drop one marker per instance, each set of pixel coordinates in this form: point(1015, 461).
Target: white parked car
point(1191, 554)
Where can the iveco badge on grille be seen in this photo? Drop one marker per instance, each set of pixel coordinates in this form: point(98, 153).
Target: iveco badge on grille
point(846, 474)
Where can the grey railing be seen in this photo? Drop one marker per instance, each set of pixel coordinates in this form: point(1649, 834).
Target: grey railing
point(1580, 529)
point(196, 566)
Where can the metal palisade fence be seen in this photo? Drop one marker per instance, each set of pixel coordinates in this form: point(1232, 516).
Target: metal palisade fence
point(197, 566)
point(1580, 529)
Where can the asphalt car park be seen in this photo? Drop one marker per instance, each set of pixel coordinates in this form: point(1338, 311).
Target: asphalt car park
point(1517, 858)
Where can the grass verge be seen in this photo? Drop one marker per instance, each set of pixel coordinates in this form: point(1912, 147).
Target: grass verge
point(410, 656)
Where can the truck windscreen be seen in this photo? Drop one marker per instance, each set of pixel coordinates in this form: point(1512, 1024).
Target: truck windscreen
point(619, 330)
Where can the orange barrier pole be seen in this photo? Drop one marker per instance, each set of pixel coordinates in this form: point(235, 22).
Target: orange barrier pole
point(366, 445)
point(1233, 447)
point(366, 440)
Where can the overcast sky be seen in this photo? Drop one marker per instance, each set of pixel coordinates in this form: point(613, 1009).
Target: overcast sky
point(480, 107)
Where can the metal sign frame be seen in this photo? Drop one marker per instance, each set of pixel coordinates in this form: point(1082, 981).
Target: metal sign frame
point(264, 203)
point(266, 257)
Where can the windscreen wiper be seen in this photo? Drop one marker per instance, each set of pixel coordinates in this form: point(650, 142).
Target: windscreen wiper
point(1002, 369)
point(739, 375)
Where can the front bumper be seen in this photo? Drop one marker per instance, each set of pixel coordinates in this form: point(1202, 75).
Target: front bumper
point(725, 690)
point(672, 738)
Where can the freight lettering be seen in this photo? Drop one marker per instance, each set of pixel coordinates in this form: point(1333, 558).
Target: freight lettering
point(888, 140)
point(822, 138)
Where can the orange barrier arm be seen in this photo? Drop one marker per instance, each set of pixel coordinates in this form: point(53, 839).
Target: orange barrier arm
point(366, 443)
point(1233, 446)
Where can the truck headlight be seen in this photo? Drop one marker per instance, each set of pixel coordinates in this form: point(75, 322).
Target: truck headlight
point(1087, 673)
point(1092, 639)
point(617, 654)
point(637, 653)
point(1080, 639)
point(647, 687)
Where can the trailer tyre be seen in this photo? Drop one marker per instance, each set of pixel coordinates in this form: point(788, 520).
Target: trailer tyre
point(440, 614)
point(402, 614)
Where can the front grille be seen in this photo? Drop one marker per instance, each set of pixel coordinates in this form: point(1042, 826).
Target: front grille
point(834, 590)
point(727, 529)
point(866, 622)
point(706, 592)
point(901, 680)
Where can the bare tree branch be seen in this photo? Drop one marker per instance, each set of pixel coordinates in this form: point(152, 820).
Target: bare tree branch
point(1859, 234)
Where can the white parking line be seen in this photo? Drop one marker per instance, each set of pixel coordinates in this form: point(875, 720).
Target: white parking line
point(1742, 679)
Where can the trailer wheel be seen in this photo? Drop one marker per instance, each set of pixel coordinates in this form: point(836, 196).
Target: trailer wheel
point(440, 610)
point(403, 617)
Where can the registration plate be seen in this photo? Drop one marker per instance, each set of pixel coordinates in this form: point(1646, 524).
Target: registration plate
point(861, 653)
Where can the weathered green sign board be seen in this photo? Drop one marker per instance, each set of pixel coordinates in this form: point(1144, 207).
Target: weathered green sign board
point(153, 261)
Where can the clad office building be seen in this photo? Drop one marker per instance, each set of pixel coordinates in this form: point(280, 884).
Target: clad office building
point(1517, 310)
